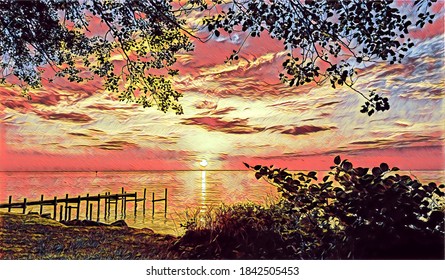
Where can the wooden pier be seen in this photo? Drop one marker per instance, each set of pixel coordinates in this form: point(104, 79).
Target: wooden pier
point(67, 205)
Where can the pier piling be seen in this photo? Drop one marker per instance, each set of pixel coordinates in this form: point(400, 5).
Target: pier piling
point(66, 206)
point(10, 201)
point(69, 214)
point(41, 204)
point(63, 208)
point(98, 207)
point(153, 204)
point(143, 204)
point(91, 211)
point(87, 204)
point(165, 203)
point(106, 205)
point(55, 208)
point(123, 203)
point(24, 205)
point(124, 213)
point(153, 200)
point(135, 203)
point(78, 208)
point(115, 208)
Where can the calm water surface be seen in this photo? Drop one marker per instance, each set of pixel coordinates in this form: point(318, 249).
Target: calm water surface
point(187, 191)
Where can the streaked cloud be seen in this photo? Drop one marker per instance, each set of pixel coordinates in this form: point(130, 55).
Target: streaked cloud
point(116, 145)
point(299, 130)
point(71, 117)
point(206, 105)
point(236, 112)
point(235, 126)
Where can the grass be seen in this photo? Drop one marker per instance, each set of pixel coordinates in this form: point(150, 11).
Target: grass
point(239, 231)
point(33, 237)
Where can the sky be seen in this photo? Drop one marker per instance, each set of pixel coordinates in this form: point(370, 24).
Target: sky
point(236, 113)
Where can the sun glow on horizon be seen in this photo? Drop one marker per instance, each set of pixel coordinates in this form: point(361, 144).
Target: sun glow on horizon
point(203, 163)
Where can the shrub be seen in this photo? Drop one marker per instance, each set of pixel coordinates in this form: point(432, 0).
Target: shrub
point(240, 231)
point(358, 213)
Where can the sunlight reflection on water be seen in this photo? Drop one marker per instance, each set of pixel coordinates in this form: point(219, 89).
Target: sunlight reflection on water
point(187, 191)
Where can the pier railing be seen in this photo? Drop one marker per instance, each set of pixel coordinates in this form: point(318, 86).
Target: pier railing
point(63, 207)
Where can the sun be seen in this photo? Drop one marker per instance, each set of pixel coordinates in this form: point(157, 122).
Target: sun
point(203, 163)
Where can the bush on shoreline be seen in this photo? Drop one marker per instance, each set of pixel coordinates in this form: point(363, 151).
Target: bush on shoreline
point(352, 213)
point(239, 231)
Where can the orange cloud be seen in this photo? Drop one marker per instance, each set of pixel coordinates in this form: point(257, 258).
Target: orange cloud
point(298, 130)
point(71, 117)
point(236, 126)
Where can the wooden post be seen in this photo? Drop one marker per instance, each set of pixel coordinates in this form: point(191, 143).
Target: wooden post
point(106, 206)
point(9, 202)
point(69, 213)
point(61, 213)
point(109, 204)
point(143, 205)
point(24, 205)
point(87, 206)
point(153, 204)
point(124, 203)
point(165, 201)
point(66, 206)
point(41, 204)
point(78, 208)
point(98, 207)
point(135, 203)
point(55, 209)
point(115, 208)
point(91, 211)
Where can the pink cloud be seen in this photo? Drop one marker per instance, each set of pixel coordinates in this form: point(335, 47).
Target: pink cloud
point(206, 105)
point(236, 126)
point(298, 130)
point(101, 107)
point(223, 111)
point(72, 117)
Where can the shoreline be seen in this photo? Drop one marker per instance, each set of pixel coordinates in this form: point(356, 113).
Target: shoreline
point(32, 237)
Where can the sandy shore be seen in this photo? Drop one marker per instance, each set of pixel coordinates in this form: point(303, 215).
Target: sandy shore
point(29, 236)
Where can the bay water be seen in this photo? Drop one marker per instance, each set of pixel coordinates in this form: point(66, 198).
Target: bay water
point(188, 192)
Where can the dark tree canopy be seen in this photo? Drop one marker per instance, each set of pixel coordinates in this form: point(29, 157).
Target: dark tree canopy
point(62, 34)
point(325, 41)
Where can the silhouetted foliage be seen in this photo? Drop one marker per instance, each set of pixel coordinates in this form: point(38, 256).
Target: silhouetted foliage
point(358, 213)
point(240, 231)
point(81, 39)
point(325, 41)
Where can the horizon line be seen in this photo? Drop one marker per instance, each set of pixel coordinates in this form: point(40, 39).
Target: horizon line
point(159, 170)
